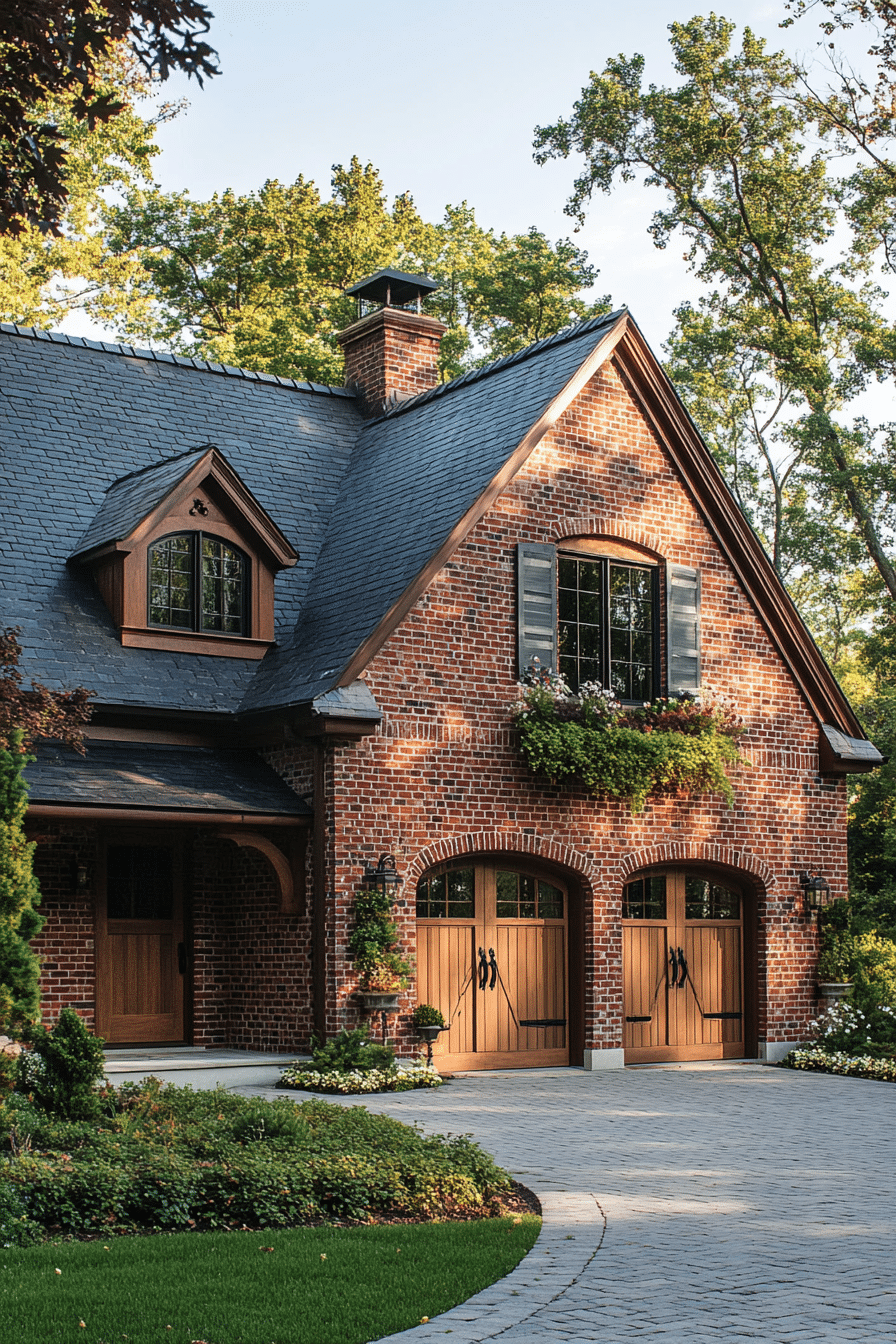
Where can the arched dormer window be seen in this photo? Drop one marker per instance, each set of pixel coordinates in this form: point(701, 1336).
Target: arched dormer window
point(185, 558)
point(198, 582)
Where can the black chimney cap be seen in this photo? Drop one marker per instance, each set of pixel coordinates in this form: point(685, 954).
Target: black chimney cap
point(393, 288)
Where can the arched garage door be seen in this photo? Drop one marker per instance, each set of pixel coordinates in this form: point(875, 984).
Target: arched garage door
point(492, 956)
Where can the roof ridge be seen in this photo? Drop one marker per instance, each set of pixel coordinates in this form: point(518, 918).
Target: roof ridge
point(165, 462)
point(570, 333)
point(166, 357)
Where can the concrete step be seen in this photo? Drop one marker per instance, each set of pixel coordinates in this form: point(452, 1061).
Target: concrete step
point(193, 1066)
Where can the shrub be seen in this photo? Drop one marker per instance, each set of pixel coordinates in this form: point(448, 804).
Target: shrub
point(374, 944)
point(166, 1158)
point(352, 1052)
point(66, 1068)
point(425, 1015)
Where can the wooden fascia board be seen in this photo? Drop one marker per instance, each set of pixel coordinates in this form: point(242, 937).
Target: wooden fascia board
point(496, 487)
point(100, 812)
point(734, 535)
point(259, 523)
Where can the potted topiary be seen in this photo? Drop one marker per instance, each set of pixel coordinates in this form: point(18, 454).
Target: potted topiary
point(374, 945)
point(427, 1021)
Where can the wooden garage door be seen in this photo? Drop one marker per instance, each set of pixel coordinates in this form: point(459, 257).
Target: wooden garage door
point(682, 942)
point(491, 955)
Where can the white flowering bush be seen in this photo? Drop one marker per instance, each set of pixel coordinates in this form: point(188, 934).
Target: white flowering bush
point(814, 1060)
point(354, 1083)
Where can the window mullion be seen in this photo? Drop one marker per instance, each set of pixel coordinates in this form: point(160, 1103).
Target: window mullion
point(197, 581)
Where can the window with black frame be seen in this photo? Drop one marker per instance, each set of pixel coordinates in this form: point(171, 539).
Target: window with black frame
point(199, 583)
point(607, 614)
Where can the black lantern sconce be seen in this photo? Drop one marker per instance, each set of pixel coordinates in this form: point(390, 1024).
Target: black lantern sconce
point(383, 877)
point(816, 892)
point(80, 874)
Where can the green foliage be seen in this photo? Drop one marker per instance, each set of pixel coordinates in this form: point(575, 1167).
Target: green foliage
point(19, 898)
point(65, 1069)
point(374, 943)
point(629, 754)
point(352, 1051)
point(167, 1158)
point(836, 943)
point(259, 280)
point(785, 334)
point(425, 1015)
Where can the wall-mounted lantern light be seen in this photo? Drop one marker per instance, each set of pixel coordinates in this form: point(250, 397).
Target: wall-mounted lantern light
point(383, 877)
point(80, 875)
point(816, 892)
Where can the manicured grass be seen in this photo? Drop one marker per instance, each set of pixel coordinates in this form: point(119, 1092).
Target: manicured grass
point(318, 1285)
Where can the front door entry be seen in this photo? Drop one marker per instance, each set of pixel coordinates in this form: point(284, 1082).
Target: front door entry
point(491, 955)
point(682, 958)
point(141, 956)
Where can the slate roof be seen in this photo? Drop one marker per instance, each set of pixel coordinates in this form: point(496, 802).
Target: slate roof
point(167, 778)
point(412, 475)
point(93, 435)
point(129, 499)
point(76, 416)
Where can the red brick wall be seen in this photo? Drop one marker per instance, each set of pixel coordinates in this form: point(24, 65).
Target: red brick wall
point(66, 944)
point(441, 777)
point(391, 352)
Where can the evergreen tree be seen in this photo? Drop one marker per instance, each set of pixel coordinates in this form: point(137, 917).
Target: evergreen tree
point(19, 897)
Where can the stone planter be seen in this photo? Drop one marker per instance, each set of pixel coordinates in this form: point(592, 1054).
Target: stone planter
point(429, 1034)
point(379, 1001)
point(831, 991)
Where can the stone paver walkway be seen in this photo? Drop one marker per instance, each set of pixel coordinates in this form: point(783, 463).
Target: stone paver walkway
point(693, 1204)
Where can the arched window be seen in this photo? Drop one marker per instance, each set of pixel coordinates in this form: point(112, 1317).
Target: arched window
point(198, 582)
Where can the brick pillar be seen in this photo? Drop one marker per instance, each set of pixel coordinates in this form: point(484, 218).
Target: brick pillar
point(391, 355)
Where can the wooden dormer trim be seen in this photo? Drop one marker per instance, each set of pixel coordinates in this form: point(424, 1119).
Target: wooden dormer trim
point(209, 498)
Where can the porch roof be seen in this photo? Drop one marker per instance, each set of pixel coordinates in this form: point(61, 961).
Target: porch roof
point(172, 779)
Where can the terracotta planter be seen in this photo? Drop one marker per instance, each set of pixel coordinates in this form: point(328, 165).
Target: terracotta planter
point(379, 1001)
point(833, 990)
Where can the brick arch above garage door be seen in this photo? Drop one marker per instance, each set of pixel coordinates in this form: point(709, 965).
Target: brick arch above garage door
point(534, 847)
point(685, 851)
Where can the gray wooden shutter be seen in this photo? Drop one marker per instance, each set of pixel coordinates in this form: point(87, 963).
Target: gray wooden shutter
point(683, 622)
point(537, 605)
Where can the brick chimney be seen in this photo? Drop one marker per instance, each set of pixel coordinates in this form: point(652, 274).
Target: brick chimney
point(391, 353)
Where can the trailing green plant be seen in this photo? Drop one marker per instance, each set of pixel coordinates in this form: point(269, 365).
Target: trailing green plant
point(627, 752)
point(64, 1069)
point(374, 943)
point(425, 1015)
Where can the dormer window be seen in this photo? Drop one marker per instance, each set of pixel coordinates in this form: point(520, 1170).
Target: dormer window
point(185, 558)
point(198, 582)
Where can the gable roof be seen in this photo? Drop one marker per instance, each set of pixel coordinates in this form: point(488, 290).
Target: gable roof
point(376, 508)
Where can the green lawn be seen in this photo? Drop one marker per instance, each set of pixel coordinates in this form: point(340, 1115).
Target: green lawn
point(321, 1285)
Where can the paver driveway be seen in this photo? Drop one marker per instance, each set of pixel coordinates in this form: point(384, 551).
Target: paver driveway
point(686, 1203)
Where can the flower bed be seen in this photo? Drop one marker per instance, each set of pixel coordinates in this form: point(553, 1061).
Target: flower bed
point(814, 1060)
point(355, 1082)
point(626, 752)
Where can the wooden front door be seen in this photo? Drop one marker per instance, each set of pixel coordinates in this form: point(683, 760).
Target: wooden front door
point(491, 955)
point(682, 960)
point(141, 957)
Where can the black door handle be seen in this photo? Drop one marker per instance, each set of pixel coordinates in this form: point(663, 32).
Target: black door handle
point(682, 968)
point(182, 958)
point(673, 962)
point(494, 966)
point(483, 969)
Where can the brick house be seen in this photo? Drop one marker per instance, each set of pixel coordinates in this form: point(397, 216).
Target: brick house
point(304, 610)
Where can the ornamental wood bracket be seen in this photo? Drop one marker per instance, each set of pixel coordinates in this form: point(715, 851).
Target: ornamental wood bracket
point(289, 903)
